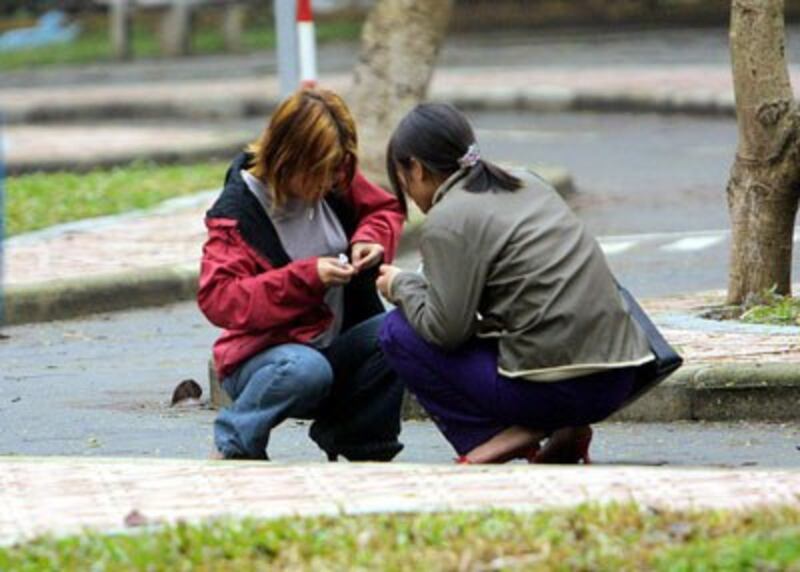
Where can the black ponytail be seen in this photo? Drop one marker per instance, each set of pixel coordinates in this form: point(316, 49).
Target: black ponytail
point(440, 138)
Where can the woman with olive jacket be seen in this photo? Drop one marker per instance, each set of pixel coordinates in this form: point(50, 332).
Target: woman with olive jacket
point(288, 270)
point(515, 332)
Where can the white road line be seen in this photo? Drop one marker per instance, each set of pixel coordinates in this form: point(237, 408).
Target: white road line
point(662, 236)
point(617, 246)
point(690, 244)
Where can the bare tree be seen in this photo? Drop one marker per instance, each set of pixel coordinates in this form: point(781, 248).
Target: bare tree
point(399, 46)
point(765, 179)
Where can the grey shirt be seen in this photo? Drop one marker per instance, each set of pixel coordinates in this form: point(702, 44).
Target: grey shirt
point(307, 230)
point(519, 267)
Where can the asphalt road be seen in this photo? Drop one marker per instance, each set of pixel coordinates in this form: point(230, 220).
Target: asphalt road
point(101, 386)
point(651, 187)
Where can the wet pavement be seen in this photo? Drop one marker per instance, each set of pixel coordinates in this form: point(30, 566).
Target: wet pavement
point(101, 385)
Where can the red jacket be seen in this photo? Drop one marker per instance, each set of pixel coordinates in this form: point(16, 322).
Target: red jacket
point(248, 285)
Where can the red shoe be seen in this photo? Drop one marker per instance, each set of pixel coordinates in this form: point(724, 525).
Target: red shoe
point(567, 451)
point(527, 452)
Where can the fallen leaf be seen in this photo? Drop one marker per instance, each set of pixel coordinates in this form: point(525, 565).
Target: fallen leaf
point(136, 518)
point(185, 391)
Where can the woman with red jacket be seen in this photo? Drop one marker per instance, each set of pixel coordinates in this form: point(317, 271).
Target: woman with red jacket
point(288, 270)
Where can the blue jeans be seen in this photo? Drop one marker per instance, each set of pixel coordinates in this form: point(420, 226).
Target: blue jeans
point(348, 390)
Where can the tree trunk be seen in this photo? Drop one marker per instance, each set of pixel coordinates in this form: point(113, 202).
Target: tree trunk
point(399, 46)
point(763, 188)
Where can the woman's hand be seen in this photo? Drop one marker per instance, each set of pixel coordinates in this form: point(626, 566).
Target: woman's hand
point(333, 273)
point(366, 255)
point(384, 282)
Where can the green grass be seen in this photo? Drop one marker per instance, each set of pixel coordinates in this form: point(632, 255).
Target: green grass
point(772, 308)
point(614, 538)
point(93, 44)
point(40, 200)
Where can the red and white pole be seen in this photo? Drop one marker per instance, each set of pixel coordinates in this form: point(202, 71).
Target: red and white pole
point(306, 44)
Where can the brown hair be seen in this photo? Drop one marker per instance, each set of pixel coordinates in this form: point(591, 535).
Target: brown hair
point(309, 143)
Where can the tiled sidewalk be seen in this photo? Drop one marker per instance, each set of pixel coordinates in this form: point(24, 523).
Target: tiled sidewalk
point(166, 237)
point(65, 495)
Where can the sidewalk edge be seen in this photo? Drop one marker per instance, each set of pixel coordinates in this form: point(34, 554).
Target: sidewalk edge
point(529, 99)
point(64, 299)
point(707, 392)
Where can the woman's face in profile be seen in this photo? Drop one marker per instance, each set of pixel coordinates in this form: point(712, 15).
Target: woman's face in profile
point(418, 185)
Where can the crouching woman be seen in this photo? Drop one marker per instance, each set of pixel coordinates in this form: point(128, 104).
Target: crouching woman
point(288, 270)
point(515, 332)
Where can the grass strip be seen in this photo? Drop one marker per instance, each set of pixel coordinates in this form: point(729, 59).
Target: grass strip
point(40, 200)
point(611, 537)
point(94, 46)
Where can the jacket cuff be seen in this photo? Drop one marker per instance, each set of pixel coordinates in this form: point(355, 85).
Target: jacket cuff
point(364, 235)
point(412, 279)
point(307, 270)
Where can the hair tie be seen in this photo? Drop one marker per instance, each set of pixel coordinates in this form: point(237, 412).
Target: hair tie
point(471, 157)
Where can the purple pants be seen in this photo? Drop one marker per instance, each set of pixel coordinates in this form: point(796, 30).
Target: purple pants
point(471, 402)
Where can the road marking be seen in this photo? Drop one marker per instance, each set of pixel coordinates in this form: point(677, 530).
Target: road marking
point(674, 235)
point(617, 246)
point(692, 243)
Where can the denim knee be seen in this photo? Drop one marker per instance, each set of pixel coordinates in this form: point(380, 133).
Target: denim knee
point(293, 372)
point(310, 378)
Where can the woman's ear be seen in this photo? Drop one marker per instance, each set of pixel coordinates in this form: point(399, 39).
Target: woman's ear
point(417, 172)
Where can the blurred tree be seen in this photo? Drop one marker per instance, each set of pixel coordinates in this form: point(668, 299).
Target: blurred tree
point(764, 184)
point(399, 46)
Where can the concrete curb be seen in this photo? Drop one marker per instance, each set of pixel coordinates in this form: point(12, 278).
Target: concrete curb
point(560, 100)
point(187, 154)
point(55, 112)
point(719, 392)
point(722, 392)
point(524, 99)
point(708, 392)
point(64, 299)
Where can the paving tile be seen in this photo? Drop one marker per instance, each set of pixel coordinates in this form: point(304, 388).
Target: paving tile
point(64, 495)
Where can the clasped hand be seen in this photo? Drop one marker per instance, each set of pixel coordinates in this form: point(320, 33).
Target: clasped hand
point(365, 255)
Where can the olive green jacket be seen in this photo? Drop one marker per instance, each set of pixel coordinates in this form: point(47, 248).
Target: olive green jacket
point(520, 267)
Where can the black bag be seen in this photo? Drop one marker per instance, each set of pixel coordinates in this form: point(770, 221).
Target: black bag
point(667, 359)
